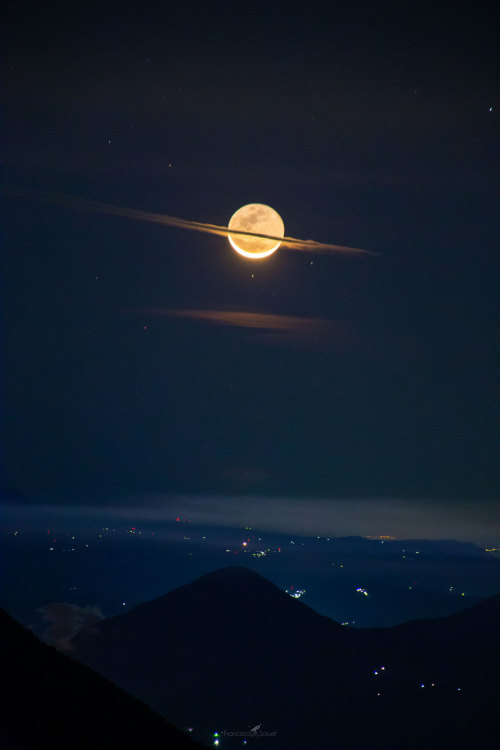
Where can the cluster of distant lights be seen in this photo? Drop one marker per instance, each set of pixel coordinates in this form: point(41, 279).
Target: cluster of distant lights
point(216, 738)
point(450, 589)
point(422, 685)
point(246, 547)
point(258, 553)
point(403, 553)
point(376, 673)
point(295, 593)
point(433, 684)
point(382, 538)
point(62, 549)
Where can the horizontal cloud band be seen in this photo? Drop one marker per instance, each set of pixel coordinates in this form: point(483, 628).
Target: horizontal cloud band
point(197, 226)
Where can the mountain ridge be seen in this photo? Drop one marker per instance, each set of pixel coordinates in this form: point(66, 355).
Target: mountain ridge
point(51, 701)
point(231, 648)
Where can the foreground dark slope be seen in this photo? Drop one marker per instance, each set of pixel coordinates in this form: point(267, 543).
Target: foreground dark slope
point(51, 701)
point(231, 650)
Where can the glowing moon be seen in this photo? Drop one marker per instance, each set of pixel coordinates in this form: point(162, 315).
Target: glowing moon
point(258, 219)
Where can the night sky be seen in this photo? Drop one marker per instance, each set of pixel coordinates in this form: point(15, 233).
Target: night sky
point(142, 359)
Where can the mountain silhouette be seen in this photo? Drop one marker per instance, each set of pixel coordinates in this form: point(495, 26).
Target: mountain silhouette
point(50, 701)
point(231, 650)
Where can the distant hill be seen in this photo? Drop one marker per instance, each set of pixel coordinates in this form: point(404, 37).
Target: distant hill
point(405, 580)
point(460, 650)
point(50, 701)
point(231, 650)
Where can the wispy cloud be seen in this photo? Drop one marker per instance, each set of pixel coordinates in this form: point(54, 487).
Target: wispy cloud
point(291, 243)
point(66, 620)
point(284, 329)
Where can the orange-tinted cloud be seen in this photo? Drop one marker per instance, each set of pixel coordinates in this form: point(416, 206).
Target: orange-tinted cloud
point(277, 329)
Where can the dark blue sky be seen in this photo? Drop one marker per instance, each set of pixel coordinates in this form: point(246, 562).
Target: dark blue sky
point(346, 376)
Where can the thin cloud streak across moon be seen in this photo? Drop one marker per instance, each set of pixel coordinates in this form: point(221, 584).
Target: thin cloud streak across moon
point(291, 243)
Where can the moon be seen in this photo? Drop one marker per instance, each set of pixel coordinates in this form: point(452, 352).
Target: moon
point(258, 219)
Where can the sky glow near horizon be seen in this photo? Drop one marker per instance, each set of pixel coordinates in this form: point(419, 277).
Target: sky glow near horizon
point(402, 519)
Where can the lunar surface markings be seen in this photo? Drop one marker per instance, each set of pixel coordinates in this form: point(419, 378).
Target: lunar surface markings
point(258, 219)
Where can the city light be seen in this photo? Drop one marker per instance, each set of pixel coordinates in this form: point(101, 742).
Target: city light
point(295, 594)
